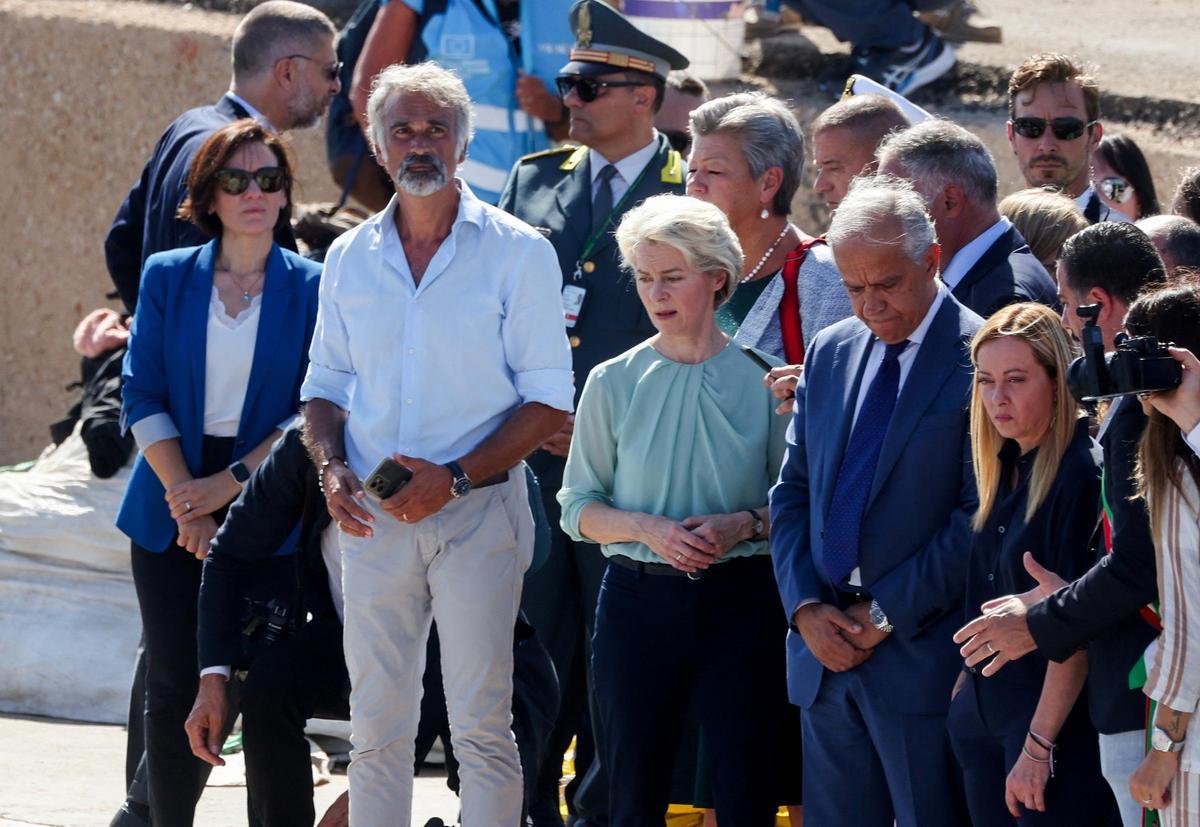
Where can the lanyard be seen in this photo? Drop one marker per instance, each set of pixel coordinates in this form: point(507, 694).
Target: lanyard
point(596, 236)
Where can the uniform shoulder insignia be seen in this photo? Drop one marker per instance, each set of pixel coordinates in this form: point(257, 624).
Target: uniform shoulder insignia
point(672, 171)
point(554, 150)
point(575, 159)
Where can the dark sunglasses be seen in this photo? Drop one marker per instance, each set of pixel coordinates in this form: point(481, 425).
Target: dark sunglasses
point(681, 142)
point(331, 72)
point(1065, 129)
point(1116, 189)
point(236, 181)
point(588, 89)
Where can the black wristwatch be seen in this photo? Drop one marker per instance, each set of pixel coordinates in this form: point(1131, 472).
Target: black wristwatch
point(461, 486)
point(240, 472)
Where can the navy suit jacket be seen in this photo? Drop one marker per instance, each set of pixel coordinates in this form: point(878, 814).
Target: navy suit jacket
point(164, 367)
point(146, 222)
point(1007, 273)
point(916, 531)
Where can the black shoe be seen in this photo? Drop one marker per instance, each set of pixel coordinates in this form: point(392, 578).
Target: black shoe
point(905, 71)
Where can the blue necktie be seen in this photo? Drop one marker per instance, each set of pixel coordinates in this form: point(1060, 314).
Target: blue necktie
point(843, 525)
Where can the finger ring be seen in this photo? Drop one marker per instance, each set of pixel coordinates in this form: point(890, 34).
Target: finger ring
point(188, 506)
point(1145, 800)
point(991, 649)
point(678, 557)
point(404, 517)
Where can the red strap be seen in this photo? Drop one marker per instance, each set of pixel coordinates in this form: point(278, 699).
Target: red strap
point(789, 306)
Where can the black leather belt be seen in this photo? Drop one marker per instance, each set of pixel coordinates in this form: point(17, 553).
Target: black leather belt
point(661, 569)
point(494, 479)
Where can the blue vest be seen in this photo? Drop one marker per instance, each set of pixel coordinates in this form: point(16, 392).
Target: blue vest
point(468, 40)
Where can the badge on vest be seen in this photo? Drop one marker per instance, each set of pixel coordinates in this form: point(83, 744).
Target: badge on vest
point(572, 298)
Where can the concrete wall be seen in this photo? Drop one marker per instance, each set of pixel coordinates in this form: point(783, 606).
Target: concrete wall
point(89, 88)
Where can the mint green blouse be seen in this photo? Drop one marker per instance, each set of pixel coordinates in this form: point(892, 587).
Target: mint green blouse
point(674, 440)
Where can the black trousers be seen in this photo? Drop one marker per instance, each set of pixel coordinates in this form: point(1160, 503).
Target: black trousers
point(301, 677)
point(560, 602)
point(167, 584)
point(660, 642)
point(987, 747)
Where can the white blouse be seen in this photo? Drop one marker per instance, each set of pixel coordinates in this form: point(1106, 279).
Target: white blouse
point(228, 355)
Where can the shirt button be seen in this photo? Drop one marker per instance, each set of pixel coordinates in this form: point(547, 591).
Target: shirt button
point(576, 341)
point(991, 577)
point(1000, 529)
point(589, 267)
point(411, 351)
point(407, 401)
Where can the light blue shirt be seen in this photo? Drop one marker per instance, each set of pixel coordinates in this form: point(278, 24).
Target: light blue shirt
point(969, 255)
point(432, 370)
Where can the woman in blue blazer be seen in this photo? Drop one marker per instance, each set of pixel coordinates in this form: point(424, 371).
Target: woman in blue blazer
point(217, 352)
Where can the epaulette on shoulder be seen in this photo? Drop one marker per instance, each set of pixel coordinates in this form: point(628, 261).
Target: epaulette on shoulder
point(556, 150)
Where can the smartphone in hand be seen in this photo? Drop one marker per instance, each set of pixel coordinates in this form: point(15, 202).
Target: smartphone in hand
point(388, 477)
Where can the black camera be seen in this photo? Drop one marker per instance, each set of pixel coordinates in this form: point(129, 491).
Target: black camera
point(264, 622)
point(1139, 364)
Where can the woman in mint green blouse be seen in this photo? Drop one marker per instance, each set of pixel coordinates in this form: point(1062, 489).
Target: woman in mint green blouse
point(675, 446)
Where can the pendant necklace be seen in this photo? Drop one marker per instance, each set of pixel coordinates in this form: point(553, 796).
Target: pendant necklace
point(234, 275)
point(754, 273)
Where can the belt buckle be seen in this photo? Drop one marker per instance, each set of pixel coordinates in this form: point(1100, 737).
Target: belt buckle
point(693, 575)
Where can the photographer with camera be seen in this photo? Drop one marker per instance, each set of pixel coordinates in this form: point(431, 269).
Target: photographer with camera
point(1106, 265)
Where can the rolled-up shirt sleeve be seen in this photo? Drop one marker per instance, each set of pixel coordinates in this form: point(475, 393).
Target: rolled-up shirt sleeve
point(592, 461)
point(535, 337)
point(331, 373)
point(144, 407)
point(1174, 674)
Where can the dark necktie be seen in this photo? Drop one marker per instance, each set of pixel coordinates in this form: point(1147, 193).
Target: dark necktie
point(602, 197)
point(843, 525)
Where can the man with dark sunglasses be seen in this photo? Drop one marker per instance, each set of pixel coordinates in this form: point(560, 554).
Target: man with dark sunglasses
point(285, 71)
point(576, 196)
point(1054, 125)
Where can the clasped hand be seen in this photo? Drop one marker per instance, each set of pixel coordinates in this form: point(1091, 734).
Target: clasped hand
point(840, 640)
point(695, 543)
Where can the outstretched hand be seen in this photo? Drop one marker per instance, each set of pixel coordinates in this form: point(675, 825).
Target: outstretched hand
point(1002, 631)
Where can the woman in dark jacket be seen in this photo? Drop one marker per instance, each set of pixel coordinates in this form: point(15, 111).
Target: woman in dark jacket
point(217, 352)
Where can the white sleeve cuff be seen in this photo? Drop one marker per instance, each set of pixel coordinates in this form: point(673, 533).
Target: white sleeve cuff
point(1193, 439)
point(287, 423)
point(553, 387)
point(321, 382)
point(224, 671)
point(152, 429)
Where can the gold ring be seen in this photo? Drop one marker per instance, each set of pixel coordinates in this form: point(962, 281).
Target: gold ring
point(678, 557)
point(188, 506)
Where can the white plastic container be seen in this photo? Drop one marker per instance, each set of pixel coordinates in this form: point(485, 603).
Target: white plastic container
point(710, 33)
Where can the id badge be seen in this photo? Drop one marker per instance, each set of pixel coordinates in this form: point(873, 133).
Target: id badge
point(572, 299)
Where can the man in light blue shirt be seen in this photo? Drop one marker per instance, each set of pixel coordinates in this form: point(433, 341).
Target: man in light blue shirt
point(439, 343)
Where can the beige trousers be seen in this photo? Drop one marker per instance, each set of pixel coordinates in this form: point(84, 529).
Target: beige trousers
point(462, 567)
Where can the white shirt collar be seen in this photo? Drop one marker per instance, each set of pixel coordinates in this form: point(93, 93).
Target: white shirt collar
point(1086, 197)
point(628, 167)
point(969, 255)
point(918, 335)
point(470, 211)
point(250, 110)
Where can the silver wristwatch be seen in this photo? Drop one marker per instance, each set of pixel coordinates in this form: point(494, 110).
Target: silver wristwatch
point(1162, 742)
point(879, 619)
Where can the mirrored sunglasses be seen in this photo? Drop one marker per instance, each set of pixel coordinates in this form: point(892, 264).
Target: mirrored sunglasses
point(236, 181)
point(1116, 189)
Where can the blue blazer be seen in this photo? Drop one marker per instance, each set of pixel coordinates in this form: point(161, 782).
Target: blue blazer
point(164, 367)
point(916, 531)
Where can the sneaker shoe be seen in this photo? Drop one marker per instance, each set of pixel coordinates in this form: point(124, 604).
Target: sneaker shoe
point(905, 71)
point(961, 22)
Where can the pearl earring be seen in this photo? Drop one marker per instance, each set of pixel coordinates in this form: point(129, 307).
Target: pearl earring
point(764, 215)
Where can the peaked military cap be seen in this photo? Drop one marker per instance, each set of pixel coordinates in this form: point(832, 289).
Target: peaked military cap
point(605, 41)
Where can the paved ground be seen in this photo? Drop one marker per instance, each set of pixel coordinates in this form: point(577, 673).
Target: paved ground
point(63, 774)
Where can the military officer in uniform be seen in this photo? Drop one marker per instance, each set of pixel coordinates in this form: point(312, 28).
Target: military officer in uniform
point(576, 196)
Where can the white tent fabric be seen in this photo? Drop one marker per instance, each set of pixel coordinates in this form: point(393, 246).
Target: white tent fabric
point(69, 621)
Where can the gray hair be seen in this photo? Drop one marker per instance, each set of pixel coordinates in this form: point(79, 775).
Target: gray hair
point(937, 153)
point(697, 229)
point(767, 132)
point(873, 200)
point(274, 30)
point(439, 86)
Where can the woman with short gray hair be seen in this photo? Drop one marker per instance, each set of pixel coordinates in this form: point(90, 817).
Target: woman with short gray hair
point(675, 446)
point(747, 158)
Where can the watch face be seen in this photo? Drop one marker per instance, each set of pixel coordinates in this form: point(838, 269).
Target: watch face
point(1163, 743)
point(461, 487)
point(239, 471)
